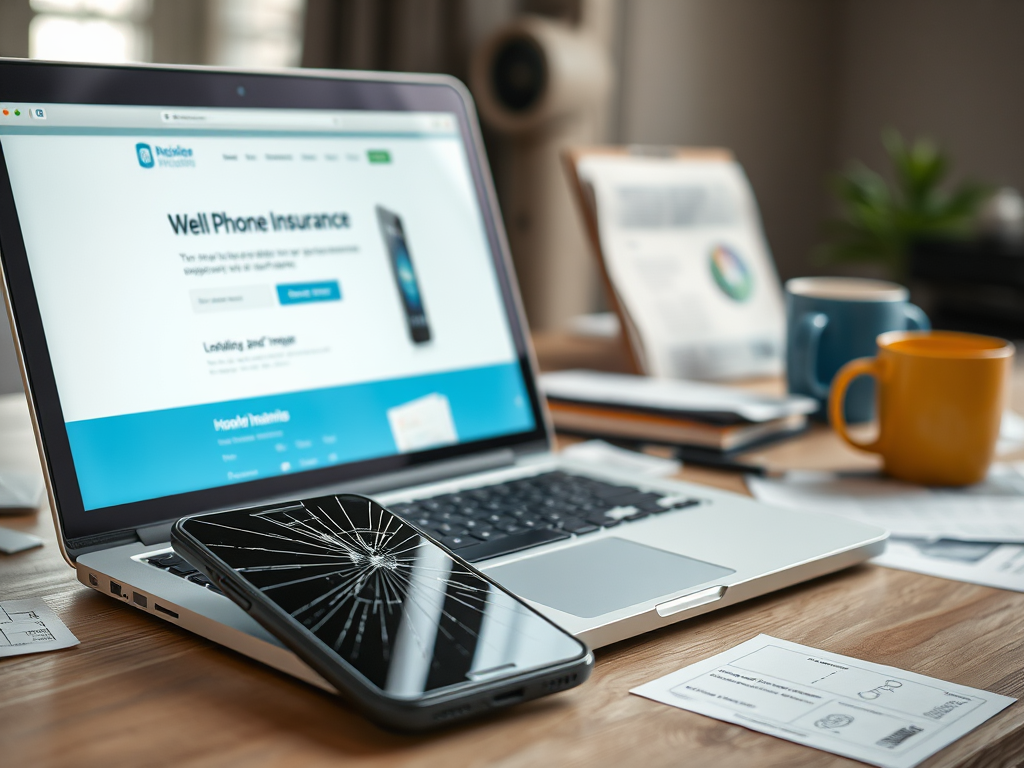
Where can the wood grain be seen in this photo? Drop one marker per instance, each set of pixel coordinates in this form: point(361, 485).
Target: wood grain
point(138, 691)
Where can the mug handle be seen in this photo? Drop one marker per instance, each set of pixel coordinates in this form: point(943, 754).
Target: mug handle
point(863, 366)
point(806, 343)
point(917, 320)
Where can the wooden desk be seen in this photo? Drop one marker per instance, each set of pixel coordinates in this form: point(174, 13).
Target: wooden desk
point(139, 691)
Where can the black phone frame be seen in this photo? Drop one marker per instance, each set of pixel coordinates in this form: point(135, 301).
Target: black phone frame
point(424, 713)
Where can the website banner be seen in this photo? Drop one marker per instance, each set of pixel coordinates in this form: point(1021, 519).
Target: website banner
point(145, 455)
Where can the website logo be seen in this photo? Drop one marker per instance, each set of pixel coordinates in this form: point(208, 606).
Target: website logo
point(145, 155)
point(156, 156)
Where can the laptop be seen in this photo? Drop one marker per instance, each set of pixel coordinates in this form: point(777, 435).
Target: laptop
point(231, 288)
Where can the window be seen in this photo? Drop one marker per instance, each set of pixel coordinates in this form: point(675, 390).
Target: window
point(90, 30)
point(257, 33)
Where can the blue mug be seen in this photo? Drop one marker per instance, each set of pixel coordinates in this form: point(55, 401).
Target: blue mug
point(833, 320)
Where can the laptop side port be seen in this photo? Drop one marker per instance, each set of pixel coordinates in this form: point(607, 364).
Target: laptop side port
point(115, 588)
point(139, 600)
point(167, 611)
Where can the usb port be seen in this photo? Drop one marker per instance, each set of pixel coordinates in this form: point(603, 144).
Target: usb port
point(508, 697)
point(115, 588)
point(168, 611)
point(139, 600)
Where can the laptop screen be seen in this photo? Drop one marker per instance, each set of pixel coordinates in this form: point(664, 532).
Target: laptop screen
point(231, 295)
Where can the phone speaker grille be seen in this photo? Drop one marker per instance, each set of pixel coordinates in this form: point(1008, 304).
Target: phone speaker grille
point(558, 683)
point(454, 712)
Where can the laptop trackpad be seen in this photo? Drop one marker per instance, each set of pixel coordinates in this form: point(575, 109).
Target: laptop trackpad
point(602, 576)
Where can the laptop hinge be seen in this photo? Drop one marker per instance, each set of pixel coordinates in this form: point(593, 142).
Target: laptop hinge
point(155, 534)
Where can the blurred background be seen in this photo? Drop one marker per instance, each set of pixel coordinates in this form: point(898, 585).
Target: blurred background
point(796, 89)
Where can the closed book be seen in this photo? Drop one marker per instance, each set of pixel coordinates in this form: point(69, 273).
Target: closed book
point(661, 428)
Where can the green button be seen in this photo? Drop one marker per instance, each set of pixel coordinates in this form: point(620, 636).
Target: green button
point(379, 156)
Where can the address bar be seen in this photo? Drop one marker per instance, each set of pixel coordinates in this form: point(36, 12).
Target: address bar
point(353, 121)
point(263, 119)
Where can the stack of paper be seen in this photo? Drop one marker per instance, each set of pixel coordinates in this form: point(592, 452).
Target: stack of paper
point(666, 411)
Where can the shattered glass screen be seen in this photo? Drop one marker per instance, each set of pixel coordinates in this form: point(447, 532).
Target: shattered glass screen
point(388, 601)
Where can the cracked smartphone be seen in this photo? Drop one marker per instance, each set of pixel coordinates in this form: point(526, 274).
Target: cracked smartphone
point(406, 630)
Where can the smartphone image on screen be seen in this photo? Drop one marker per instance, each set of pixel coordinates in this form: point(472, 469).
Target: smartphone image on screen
point(404, 629)
point(405, 275)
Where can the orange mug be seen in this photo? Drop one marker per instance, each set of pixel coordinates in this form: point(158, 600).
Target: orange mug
point(940, 401)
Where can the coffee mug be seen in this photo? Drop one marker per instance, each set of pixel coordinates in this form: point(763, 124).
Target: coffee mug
point(832, 320)
point(941, 397)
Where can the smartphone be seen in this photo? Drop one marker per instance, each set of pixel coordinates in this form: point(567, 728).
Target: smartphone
point(406, 630)
point(405, 275)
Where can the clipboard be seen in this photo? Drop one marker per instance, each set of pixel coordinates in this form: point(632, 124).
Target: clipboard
point(573, 158)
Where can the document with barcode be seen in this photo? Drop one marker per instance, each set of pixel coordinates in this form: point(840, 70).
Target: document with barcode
point(870, 712)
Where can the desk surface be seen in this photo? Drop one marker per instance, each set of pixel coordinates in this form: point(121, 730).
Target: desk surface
point(138, 691)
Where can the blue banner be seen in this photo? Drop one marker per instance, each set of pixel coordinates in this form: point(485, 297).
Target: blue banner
point(121, 459)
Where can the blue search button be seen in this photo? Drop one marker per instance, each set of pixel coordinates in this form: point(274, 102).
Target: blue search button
point(303, 293)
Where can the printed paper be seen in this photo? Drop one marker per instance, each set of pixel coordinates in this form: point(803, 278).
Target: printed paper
point(977, 562)
point(992, 510)
point(869, 712)
point(29, 626)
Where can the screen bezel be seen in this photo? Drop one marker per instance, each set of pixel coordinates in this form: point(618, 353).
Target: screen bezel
point(56, 83)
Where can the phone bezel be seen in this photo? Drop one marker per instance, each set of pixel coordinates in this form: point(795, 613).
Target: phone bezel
point(413, 713)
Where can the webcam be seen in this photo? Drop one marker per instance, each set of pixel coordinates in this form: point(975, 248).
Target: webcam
point(241, 90)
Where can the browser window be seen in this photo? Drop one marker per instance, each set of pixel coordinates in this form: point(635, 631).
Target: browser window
point(230, 295)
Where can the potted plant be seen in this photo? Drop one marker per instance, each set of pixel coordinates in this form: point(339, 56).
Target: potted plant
point(879, 219)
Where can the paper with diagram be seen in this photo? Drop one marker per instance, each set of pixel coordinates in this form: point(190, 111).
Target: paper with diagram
point(29, 626)
point(682, 246)
point(878, 714)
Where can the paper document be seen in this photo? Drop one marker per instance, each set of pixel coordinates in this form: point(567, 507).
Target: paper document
point(29, 626)
point(606, 454)
point(12, 542)
point(682, 244)
point(20, 490)
point(870, 712)
point(629, 391)
point(992, 510)
point(976, 562)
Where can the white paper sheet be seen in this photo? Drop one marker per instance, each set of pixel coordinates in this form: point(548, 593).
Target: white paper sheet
point(976, 562)
point(992, 510)
point(608, 455)
point(20, 490)
point(12, 542)
point(29, 626)
point(869, 712)
point(682, 242)
point(626, 390)
point(425, 422)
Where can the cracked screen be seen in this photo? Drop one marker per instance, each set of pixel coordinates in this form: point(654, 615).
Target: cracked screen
point(391, 603)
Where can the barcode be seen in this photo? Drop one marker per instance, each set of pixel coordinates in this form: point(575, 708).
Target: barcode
point(898, 737)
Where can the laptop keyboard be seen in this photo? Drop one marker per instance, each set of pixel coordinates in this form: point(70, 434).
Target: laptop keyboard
point(179, 566)
point(501, 519)
point(509, 517)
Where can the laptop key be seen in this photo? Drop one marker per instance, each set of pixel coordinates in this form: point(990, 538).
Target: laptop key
point(458, 542)
point(512, 543)
point(578, 526)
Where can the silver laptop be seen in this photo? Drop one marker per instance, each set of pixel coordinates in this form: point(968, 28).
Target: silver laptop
point(232, 288)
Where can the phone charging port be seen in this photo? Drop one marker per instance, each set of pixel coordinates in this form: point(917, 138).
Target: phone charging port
point(508, 697)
